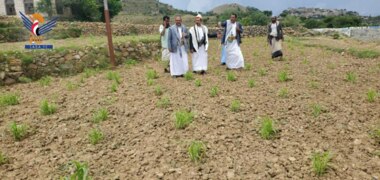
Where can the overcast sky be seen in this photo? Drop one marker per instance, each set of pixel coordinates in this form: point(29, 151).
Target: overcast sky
point(364, 7)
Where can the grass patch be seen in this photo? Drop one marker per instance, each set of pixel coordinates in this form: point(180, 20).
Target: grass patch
point(183, 119)
point(263, 72)
point(18, 131)
point(46, 108)
point(71, 86)
point(150, 82)
point(81, 171)
point(158, 91)
point(164, 102)
point(214, 91)
point(95, 136)
point(376, 135)
point(305, 61)
point(189, 76)
point(371, 95)
point(151, 74)
point(364, 54)
point(235, 106)
point(283, 92)
point(196, 151)
point(9, 99)
point(198, 83)
point(248, 66)
point(114, 76)
point(24, 79)
point(283, 76)
point(45, 81)
point(231, 76)
point(317, 110)
point(314, 84)
point(3, 159)
point(87, 73)
point(100, 115)
point(321, 162)
point(351, 77)
point(251, 83)
point(130, 62)
point(267, 130)
point(113, 87)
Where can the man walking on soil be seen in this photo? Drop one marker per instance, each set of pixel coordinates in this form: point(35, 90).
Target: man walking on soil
point(232, 40)
point(275, 37)
point(164, 31)
point(199, 45)
point(178, 47)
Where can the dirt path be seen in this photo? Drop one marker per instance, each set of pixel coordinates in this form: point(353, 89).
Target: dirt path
point(142, 143)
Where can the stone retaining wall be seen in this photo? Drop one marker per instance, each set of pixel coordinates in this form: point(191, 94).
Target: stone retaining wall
point(60, 62)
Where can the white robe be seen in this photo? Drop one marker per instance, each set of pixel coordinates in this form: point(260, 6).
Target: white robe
point(234, 56)
point(199, 58)
point(165, 55)
point(179, 65)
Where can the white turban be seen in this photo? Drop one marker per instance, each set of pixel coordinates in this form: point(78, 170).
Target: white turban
point(199, 16)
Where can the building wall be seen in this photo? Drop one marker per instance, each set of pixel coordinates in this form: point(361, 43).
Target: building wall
point(19, 6)
point(2, 8)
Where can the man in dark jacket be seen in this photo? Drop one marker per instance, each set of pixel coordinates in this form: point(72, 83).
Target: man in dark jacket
point(232, 40)
point(275, 37)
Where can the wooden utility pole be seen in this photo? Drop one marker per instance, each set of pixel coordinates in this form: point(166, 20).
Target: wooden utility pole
point(109, 34)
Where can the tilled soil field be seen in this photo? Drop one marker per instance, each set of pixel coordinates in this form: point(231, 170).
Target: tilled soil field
point(141, 141)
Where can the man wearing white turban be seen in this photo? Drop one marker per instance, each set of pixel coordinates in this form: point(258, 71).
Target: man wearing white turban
point(199, 45)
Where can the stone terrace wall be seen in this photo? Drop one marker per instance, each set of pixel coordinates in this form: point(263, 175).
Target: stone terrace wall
point(35, 65)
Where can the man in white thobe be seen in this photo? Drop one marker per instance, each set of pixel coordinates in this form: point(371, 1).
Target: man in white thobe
point(232, 41)
point(164, 32)
point(199, 45)
point(178, 47)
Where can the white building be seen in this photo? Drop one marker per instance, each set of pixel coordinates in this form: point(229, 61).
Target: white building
point(12, 7)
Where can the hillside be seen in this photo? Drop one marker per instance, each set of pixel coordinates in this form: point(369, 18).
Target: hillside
point(150, 7)
point(228, 7)
point(317, 12)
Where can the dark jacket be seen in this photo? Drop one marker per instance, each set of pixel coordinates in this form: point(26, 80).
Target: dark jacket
point(238, 35)
point(280, 33)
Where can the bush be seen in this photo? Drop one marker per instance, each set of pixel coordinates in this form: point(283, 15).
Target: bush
point(321, 162)
point(197, 151)
point(183, 119)
point(47, 109)
point(100, 115)
point(267, 129)
point(81, 171)
point(3, 159)
point(18, 131)
point(9, 100)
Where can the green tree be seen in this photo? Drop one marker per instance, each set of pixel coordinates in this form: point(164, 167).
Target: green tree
point(314, 23)
point(92, 10)
point(84, 10)
point(114, 6)
point(45, 6)
point(268, 13)
point(260, 19)
point(291, 21)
